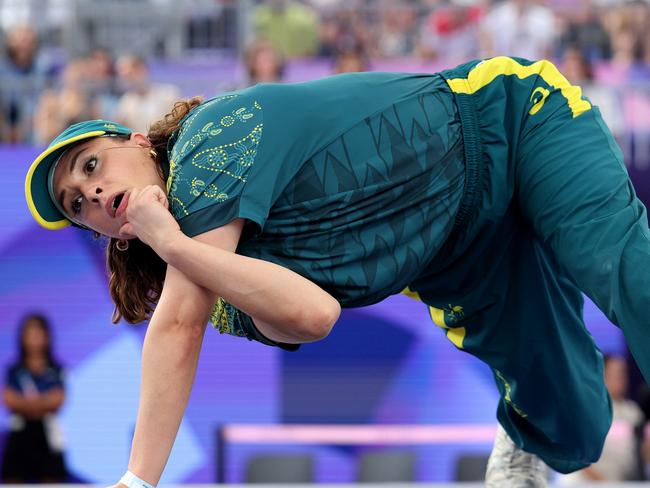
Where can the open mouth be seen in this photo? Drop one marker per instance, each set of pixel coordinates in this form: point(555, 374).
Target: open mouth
point(116, 202)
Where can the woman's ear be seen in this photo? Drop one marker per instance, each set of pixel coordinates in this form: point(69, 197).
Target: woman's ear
point(140, 139)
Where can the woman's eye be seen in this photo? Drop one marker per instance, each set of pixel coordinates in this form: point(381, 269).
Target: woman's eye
point(90, 164)
point(75, 206)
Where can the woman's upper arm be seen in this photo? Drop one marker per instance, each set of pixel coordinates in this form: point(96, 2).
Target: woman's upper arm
point(225, 237)
point(183, 301)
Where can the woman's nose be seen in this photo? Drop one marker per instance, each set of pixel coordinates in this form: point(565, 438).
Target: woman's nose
point(92, 194)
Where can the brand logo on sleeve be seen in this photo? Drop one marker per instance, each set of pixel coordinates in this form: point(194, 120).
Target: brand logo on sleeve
point(538, 97)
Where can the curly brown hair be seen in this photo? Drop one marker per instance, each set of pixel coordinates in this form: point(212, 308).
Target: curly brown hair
point(137, 275)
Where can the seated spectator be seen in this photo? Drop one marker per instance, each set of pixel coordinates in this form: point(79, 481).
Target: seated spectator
point(397, 33)
point(618, 460)
point(101, 82)
point(263, 63)
point(143, 100)
point(579, 71)
point(292, 28)
point(72, 102)
point(329, 38)
point(33, 394)
point(345, 30)
point(576, 67)
point(351, 61)
point(451, 33)
point(523, 28)
point(584, 30)
point(626, 66)
point(635, 16)
point(23, 74)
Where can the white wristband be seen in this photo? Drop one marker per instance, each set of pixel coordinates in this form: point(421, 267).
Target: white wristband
point(132, 481)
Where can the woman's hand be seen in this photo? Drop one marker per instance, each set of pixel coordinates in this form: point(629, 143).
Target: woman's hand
point(148, 217)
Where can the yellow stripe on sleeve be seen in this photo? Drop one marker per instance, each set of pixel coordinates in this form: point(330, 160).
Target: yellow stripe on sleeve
point(455, 334)
point(487, 71)
point(438, 316)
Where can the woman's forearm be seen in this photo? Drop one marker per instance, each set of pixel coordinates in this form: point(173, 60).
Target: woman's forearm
point(169, 360)
point(51, 400)
point(18, 403)
point(33, 407)
point(270, 293)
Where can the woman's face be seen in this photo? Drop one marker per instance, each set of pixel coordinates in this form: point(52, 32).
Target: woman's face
point(34, 337)
point(267, 66)
point(93, 179)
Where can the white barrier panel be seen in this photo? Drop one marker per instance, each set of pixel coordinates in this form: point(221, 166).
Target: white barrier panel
point(359, 434)
point(372, 434)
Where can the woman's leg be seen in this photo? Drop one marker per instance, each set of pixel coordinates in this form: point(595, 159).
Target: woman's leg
point(573, 187)
point(507, 302)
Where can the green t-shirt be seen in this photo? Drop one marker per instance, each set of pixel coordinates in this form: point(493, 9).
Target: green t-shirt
point(352, 181)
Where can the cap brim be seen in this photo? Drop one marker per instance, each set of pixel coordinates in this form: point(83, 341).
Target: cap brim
point(36, 185)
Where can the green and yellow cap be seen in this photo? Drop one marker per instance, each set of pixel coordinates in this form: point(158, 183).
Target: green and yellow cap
point(39, 191)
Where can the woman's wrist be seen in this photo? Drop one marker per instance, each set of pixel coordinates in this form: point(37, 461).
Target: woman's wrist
point(131, 480)
point(169, 245)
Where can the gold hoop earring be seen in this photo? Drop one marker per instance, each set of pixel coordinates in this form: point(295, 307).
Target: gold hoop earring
point(122, 245)
point(153, 154)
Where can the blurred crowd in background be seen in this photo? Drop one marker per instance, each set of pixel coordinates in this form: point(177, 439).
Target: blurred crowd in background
point(68, 60)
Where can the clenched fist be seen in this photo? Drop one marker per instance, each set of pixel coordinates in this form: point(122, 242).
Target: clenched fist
point(148, 217)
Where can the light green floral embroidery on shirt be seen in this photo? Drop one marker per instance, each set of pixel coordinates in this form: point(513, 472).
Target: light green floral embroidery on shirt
point(213, 192)
point(233, 159)
point(223, 318)
point(242, 114)
point(227, 120)
point(205, 132)
point(241, 152)
point(220, 319)
point(198, 110)
point(170, 178)
point(210, 191)
point(177, 206)
point(197, 187)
